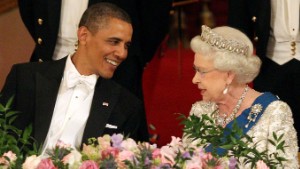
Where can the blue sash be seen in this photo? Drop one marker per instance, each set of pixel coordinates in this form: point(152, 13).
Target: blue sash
point(242, 120)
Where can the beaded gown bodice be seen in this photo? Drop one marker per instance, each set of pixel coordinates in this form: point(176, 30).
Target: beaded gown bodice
point(276, 117)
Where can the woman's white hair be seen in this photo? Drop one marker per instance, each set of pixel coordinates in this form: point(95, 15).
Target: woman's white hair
point(245, 65)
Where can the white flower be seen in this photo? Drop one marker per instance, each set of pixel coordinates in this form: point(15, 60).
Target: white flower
point(176, 141)
point(176, 144)
point(73, 159)
point(12, 156)
point(6, 163)
point(168, 154)
point(31, 162)
point(129, 144)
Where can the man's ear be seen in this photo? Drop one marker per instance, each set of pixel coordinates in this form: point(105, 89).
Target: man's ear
point(82, 35)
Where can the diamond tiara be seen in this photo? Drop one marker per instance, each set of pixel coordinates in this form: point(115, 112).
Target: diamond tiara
point(220, 42)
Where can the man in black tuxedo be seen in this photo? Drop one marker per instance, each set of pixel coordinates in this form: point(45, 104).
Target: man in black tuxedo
point(48, 22)
point(72, 99)
point(274, 28)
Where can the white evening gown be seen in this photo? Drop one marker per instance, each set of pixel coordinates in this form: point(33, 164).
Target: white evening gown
point(277, 118)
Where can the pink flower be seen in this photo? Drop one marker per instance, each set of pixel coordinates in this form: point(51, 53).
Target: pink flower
point(219, 167)
point(126, 155)
point(89, 164)
point(11, 156)
point(72, 158)
point(209, 159)
point(194, 163)
point(156, 153)
point(31, 162)
point(3, 161)
point(207, 156)
point(46, 164)
point(191, 165)
point(168, 155)
point(112, 151)
point(60, 144)
point(261, 165)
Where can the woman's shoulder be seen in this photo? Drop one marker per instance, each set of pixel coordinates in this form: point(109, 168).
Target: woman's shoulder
point(279, 109)
point(203, 107)
point(278, 106)
point(272, 104)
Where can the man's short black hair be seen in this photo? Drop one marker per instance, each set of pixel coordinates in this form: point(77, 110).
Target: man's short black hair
point(98, 15)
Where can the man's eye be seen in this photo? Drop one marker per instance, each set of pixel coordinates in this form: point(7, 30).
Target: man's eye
point(113, 42)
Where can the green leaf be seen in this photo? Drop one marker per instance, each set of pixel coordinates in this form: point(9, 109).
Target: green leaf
point(274, 136)
point(280, 137)
point(2, 109)
point(9, 103)
point(12, 119)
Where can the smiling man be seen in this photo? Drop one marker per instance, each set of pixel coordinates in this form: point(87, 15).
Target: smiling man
point(73, 99)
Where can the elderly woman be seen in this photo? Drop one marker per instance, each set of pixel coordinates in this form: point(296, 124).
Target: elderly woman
point(224, 63)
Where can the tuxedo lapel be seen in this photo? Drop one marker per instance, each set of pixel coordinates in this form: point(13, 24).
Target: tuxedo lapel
point(104, 100)
point(47, 86)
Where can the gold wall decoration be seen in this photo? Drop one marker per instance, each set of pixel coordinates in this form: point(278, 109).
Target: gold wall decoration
point(6, 5)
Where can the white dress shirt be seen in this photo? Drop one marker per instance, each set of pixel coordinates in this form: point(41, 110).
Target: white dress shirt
point(284, 40)
point(71, 110)
point(70, 15)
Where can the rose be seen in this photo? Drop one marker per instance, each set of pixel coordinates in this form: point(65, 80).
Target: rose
point(73, 159)
point(89, 164)
point(31, 162)
point(12, 156)
point(46, 164)
point(4, 163)
point(111, 151)
point(125, 155)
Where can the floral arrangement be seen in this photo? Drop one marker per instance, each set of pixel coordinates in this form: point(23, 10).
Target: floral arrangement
point(117, 151)
point(120, 152)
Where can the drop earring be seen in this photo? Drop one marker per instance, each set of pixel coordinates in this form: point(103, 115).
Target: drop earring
point(225, 91)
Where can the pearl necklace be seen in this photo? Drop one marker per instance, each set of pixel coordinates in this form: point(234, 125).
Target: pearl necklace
point(223, 120)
